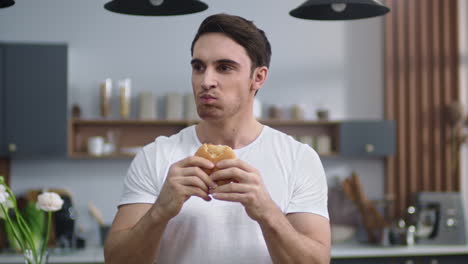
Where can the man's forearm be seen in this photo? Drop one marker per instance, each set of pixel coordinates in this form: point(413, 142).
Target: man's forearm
point(286, 245)
point(139, 244)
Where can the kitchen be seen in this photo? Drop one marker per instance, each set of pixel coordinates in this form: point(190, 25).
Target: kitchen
point(314, 61)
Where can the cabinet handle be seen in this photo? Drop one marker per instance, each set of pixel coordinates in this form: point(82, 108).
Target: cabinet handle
point(370, 148)
point(12, 147)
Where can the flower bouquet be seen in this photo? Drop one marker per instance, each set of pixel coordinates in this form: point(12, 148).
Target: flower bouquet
point(27, 235)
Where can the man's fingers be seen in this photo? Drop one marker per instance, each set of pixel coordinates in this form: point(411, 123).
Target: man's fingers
point(235, 163)
point(230, 197)
point(195, 161)
point(196, 171)
point(234, 174)
point(195, 191)
point(233, 188)
point(193, 181)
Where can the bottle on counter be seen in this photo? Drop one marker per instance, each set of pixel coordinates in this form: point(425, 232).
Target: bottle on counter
point(190, 108)
point(125, 90)
point(105, 97)
point(275, 112)
point(297, 112)
point(174, 106)
point(147, 106)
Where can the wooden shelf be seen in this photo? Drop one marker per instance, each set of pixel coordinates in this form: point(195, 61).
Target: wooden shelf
point(268, 122)
point(137, 133)
point(298, 123)
point(85, 155)
point(131, 122)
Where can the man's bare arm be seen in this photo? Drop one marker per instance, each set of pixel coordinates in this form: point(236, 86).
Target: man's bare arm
point(297, 238)
point(138, 228)
point(135, 235)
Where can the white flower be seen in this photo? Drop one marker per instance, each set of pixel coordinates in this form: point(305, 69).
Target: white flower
point(6, 205)
point(3, 194)
point(49, 202)
point(5, 201)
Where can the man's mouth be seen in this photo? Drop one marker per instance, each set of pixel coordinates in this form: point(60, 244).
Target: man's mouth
point(207, 98)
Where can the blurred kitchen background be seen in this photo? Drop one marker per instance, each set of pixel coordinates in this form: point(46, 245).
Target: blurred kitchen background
point(333, 65)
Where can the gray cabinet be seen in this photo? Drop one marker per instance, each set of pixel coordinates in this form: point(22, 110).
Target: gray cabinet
point(33, 100)
point(367, 138)
point(3, 151)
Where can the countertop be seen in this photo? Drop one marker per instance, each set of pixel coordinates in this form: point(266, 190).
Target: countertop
point(79, 256)
point(367, 251)
point(95, 255)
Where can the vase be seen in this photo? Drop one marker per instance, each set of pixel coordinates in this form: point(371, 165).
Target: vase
point(29, 259)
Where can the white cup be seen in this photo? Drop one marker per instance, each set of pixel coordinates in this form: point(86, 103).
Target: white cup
point(323, 144)
point(309, 140)
point(96, 146)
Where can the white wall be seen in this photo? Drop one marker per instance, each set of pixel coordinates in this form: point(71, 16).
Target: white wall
point(337, 65)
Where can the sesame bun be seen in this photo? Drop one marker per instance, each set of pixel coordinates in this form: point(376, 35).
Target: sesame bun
point(215, 153)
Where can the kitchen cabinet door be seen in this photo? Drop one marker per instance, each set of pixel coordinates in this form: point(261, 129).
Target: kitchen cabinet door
point(367, 138)
point(35, 100)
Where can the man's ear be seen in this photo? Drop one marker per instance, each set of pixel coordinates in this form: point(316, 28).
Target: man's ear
point(259, 77)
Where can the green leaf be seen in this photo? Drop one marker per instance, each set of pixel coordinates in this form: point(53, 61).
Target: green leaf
point(11, 238)
point(35, 218)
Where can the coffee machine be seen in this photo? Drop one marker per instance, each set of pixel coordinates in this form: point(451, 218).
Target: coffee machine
point(440, 218)
point(65, 223)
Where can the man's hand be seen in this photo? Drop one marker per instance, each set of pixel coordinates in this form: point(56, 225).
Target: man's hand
point(246, 188)
point(184, 179)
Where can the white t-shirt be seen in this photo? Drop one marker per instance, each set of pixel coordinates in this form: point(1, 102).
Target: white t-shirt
point(218, 231)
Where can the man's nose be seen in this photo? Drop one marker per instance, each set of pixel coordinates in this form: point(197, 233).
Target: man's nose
point(209, 80)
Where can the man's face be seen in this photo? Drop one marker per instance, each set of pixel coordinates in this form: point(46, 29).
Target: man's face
point(221, 77)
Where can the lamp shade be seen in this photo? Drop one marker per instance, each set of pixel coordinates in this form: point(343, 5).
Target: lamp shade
point(339, 9)
point(6, 3)
point(156, 7)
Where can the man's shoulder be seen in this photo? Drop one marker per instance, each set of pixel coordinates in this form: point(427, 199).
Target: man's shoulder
point(276, 135)
point(163, 143)
point(285, 141)
point(182, 136)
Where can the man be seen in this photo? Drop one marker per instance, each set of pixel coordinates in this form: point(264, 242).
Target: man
point(275, 209)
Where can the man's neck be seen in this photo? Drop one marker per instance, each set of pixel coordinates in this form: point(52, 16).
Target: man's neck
point(235, 134)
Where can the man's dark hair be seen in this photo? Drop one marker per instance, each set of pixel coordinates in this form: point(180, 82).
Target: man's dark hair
point(242, 31)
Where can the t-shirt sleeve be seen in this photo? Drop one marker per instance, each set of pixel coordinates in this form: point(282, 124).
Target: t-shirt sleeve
point(139, 186)
point(310, 191)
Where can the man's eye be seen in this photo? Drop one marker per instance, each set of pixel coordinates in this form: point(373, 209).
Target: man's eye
point(197, 67)
point(225, 68)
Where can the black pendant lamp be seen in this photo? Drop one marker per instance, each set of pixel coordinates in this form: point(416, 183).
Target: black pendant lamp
point(6, 3)
point(339, 9)
point(156, 7)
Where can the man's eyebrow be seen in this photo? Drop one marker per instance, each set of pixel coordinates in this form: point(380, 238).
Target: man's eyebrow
point(228, 61)
point(193, 61)
point(220, 61)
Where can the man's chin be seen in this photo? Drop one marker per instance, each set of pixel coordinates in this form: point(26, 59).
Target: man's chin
point(210, 117)
point(209, 113)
